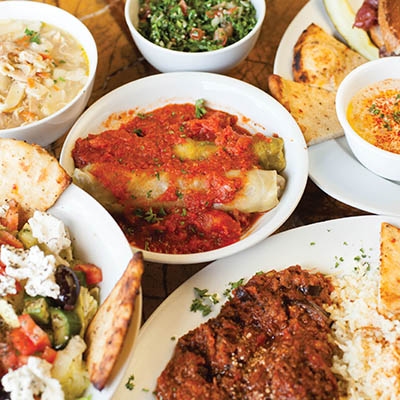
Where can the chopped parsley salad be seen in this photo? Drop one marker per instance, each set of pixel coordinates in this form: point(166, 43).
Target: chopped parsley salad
point(47, 299)
point(196, 25)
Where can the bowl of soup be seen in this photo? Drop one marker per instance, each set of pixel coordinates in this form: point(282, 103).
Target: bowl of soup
point(195, 166)
point(47, 69)
point(209, 36)
point(368, 108)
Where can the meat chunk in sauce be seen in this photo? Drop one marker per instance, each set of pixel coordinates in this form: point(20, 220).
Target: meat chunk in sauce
point(270, 341)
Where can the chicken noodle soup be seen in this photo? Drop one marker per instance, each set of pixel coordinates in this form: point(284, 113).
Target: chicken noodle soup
point(183, 178)
point(374, 113)
point(42, 68)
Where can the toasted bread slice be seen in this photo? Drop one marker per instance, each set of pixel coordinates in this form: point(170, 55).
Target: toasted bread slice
point(322, 60)
point(389, 292)
point(312, 107)
point(389, 23)
point(107, 330)
point(31, 176)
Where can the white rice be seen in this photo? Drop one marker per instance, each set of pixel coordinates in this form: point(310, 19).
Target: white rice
point(370, 364)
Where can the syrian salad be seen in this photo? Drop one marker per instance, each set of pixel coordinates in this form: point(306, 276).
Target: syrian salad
point(47, 300)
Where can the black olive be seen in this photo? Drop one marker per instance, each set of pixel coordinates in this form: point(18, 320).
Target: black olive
point(69, 285)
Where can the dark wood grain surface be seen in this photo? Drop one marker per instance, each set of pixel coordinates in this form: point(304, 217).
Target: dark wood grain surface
point(120, 62)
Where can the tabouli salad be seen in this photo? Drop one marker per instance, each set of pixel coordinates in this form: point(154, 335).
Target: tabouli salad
point(47, 299)
point(196, 25)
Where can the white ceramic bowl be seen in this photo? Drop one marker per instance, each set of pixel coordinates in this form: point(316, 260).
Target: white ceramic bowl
point(220, 60)
point(49, 129)
point(377, 160)
point(98, 239)
point(263, 112)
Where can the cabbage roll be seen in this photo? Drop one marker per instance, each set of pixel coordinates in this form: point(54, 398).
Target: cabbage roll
point(259, 192)
point(268, 150)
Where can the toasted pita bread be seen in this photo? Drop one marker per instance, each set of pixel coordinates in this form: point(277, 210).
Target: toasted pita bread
point(322, 60)
point(107, 330)
point(31, 176)
point(389, 294)
point(313, 108)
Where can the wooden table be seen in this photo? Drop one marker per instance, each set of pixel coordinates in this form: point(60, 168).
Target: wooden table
point(120, 62)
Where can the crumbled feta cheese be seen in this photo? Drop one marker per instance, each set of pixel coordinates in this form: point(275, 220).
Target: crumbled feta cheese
point(3, 210)
point(34, 266)
point(31, 380)
point(8, 314)
point(7, 285)
point(51, 231)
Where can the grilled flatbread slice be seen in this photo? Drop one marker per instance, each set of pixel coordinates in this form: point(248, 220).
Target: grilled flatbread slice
point(31, 176)
point(322, 60)
point(313, 108)
point(107, 330)
point(389, 293)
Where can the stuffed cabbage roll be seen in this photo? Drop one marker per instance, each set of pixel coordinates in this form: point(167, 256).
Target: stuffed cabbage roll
point(259, 190)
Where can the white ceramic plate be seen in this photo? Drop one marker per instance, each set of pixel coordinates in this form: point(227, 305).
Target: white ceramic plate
point(260, 112)
point(332, 165)
point(98, 239)
point(316, 247)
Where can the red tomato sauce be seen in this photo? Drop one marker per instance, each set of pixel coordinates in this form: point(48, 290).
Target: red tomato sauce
point(188, 223)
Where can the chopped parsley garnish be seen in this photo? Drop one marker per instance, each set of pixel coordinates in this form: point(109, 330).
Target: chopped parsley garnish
point(338, 261)
point(151, 216)
point(232, 286)
point(386, 110)
point(200, 110)
point(138, 132)
point(203, 301)
point(129, 384)
point(34, 37)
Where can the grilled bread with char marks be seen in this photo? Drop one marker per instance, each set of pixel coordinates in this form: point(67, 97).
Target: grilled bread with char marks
point(322, 60)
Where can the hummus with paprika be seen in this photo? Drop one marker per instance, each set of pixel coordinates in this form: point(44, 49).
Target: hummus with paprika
point(374, 113)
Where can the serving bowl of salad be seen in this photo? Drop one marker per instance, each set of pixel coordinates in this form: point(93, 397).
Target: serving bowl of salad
point(62, 258)
point(195, 35)
point(48, 62)
point(194, 166)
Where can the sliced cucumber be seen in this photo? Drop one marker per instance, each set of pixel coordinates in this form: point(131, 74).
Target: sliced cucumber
point(64, 324)
point(38, 309)
point(26, 237)
point(342, 17)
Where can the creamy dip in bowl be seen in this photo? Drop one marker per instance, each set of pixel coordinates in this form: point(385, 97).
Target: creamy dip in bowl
point(374, 113)
point(368, 108)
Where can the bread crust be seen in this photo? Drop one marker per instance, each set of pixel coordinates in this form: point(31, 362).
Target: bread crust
point(389, 23)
